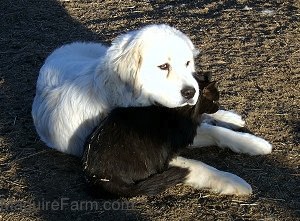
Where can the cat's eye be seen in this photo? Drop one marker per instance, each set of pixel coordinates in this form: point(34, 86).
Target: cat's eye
point(187, 63)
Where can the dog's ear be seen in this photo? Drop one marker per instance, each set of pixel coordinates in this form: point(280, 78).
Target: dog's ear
point(125, 55)
point(195, 51)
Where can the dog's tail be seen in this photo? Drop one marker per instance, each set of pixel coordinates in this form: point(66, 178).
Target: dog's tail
point(151, 186)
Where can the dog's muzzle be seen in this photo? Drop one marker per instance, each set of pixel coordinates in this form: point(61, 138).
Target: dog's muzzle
point(188, 92)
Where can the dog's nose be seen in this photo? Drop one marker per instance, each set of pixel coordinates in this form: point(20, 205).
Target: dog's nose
point(188, 92)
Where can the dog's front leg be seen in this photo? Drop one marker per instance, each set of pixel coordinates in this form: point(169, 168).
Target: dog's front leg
point(209, 135)
point(204, 176)
point(223, 118)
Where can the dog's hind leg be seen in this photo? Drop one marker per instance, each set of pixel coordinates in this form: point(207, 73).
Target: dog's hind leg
point(208, 135)
point(203, 176)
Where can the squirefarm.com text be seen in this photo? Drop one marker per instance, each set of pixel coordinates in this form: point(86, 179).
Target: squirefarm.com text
point(65, 204)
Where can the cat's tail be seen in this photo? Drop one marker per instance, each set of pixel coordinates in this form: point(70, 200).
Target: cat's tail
point(151, 186)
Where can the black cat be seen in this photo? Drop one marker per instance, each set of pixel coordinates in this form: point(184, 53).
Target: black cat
point(128, 154)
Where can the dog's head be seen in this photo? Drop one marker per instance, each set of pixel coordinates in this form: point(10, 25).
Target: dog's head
point(157, 61)
point(207, 101)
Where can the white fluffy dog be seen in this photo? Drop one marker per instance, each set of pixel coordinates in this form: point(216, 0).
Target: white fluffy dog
point(80, 83)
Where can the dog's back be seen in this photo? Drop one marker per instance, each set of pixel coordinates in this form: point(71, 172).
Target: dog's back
point(66, 63)
point(65, 89)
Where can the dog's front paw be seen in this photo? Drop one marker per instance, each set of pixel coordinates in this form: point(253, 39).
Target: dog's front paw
point(253, 145)
point(230, 184)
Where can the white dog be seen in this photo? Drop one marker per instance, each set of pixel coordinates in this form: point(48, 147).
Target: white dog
point(80, 83)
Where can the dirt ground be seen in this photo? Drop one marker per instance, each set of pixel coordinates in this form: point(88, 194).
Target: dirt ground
point(251, 47)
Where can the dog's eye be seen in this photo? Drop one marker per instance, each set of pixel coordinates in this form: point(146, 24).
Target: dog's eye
point(165, 66)
point(187, 63)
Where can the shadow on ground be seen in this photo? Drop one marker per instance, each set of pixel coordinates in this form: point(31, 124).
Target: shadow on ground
point(31, 173)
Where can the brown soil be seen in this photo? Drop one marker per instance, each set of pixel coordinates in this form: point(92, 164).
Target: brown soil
point(251, 47)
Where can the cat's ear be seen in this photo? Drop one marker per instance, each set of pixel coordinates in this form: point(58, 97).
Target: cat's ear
point(211, 91)
point(212, 85)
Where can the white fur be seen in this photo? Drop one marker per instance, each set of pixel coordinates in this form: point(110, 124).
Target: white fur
point(204, 176)
point(81, 82)
point(208, 135)
point(223, 118)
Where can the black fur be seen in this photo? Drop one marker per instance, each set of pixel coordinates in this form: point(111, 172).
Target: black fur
point(129, 153)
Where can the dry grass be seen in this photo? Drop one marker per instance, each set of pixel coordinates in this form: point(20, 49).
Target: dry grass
point(253, 51)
